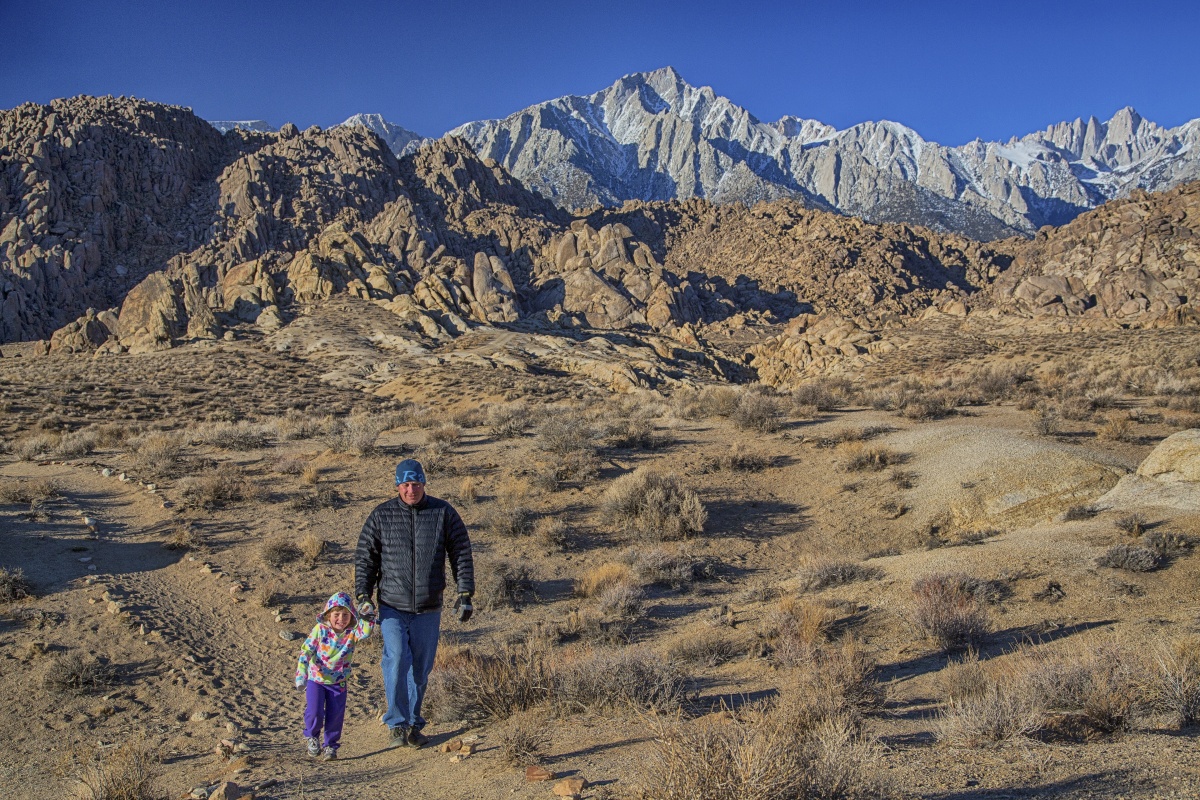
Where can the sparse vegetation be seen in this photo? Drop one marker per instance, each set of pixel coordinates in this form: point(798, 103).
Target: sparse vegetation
point(948, 612)
point(654, 505)
point(73, 673)
point(221, 487)
point(13, 585)
point(820, 573)
point(1129, 557)
point(503, 584)
point(129, 772)
point(279, 552)
point(523, 739)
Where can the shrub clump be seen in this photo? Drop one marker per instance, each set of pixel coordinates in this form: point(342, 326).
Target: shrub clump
point(279, 552)
point(221, 487)
point(13, 585)
point(127, 773)
point(654, 505)
point(503, 584)
point(76, 674)
point(1130, 557)
point(947, 611)
point(820, 573)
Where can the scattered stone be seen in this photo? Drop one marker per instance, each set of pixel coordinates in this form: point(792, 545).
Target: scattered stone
point(199, 716)
point(85, 559)
point(534, 774)
point(468, 748)
point(226, 791)
point(569, 787)
point(199, 793)
point(123, 477)
point(288, 636)
point(106, 472)
point(452, 746)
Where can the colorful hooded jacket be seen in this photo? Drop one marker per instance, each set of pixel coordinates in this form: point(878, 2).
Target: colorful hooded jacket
point(326, 655)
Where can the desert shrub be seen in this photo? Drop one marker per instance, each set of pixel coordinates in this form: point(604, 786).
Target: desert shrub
point(929, 406)
point(267, 594)
point(503, 584)
point(357, 433)
point(1116, 428)
point(279, 552)
point(738, 458)
point(447, 433)
point(818, 395)
point(581, 465)
point(820, 573)
point(523, 739)
point(316, 499)
point(719, 401)
point(291, 465)
point(995, 383)
point(903, 478)
point(509, 421)
point(686, 403)
point(34, 446)
point(1046, 421)
point(1132, 524)
point(1095, 684)
point(707, 647)
point(112, 434)
point(861, 458)
point(677, 570)
point(1130, 557)
point(13, 585)
point(622, 600)
point(551, 533)
point(800, 745)
point(33, 492)
point(792, 633)
point(296, 425)
point(565, 434)
point(654, 505)
point(221, 487)
point(184, 536)
point(239, 436)
point(73, 673)
point(993, 712)
point(1167, 544)
point(1173, 684)
point(964, 678)
point(947, 612)
point(159, 453)
point(127, 773)
point(619, 679)
point(509, 519)
point(312, 547)
point(759, 412)
point(76, 444)
point(848, 435)
point(599, 578)
point(1080, 512)
point(490, 684)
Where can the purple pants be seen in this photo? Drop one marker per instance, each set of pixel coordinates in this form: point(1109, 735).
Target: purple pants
point(326, 704)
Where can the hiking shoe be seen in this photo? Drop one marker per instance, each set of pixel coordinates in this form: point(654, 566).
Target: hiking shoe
point(314, 746)
point(415, 738)
point(398, 736)
point(329, 754)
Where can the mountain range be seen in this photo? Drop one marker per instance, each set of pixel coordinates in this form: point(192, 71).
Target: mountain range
point(654, 136)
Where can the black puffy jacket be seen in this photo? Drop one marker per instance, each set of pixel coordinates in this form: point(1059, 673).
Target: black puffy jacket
point(402, 552)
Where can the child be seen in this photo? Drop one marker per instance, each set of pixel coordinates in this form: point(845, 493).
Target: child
point(324, 665)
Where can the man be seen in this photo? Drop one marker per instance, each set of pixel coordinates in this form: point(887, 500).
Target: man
point(402, 553)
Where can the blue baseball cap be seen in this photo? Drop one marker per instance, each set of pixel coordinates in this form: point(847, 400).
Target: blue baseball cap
point(409, 470)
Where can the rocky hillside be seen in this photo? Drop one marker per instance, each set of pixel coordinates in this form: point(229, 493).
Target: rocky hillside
point(132, 226)
point(653, 136)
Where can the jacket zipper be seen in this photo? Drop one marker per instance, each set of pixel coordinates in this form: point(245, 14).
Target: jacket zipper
point(413, 514)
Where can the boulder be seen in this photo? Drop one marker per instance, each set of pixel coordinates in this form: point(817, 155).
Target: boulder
point(1176, 459)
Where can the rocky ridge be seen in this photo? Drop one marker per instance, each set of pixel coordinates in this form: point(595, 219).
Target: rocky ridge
point(653, 136)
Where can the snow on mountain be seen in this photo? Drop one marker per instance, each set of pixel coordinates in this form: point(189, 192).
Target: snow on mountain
point(256, 125)
point(653, 136)
point(401, 140)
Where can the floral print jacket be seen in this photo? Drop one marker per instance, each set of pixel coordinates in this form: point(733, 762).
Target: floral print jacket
point(326, 655)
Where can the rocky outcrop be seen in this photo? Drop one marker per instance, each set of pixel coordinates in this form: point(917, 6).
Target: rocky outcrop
point(1135, 262)
point(813, 345)
point(1168, 478)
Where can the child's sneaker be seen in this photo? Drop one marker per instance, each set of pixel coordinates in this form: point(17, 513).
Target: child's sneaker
point(314, 746)
point(329, 754)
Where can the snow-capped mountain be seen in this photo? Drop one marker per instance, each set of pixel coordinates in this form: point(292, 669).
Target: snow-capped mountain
point(255, 125)
point(401, 140)
point(653, 136)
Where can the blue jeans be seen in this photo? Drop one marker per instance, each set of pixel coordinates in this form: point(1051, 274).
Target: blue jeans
point(409, 644)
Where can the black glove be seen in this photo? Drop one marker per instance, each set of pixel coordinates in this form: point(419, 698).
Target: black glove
point(362, 598)
point(463, 606)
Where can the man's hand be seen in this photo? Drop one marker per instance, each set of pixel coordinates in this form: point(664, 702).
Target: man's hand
point(463, 606)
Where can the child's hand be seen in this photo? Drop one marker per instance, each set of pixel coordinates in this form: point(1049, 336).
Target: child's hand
point(366, 608)
point(300, 683)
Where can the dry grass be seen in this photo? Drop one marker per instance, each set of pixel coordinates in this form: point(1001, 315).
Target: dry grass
point(859, 458)
point(598, 579)
point(1173, 680)
point(948, 612)
point(551, 533)
point(33, 492)
point(738, 458)
point(503, 584)
point(267, 594)
point(312, 547)
point(127, 773)
point(356, 434)
point(759, 412)
point(1130, 557)
point(34, 447)
point(509, 421)
point(654, 505)
point(238, 436)
point(159, 454)
point(706, 647)
point(509, 519)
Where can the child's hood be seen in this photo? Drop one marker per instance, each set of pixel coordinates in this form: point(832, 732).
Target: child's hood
point(342, 599)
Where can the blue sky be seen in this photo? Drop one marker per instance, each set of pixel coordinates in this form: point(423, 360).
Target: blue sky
point(951, 70)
